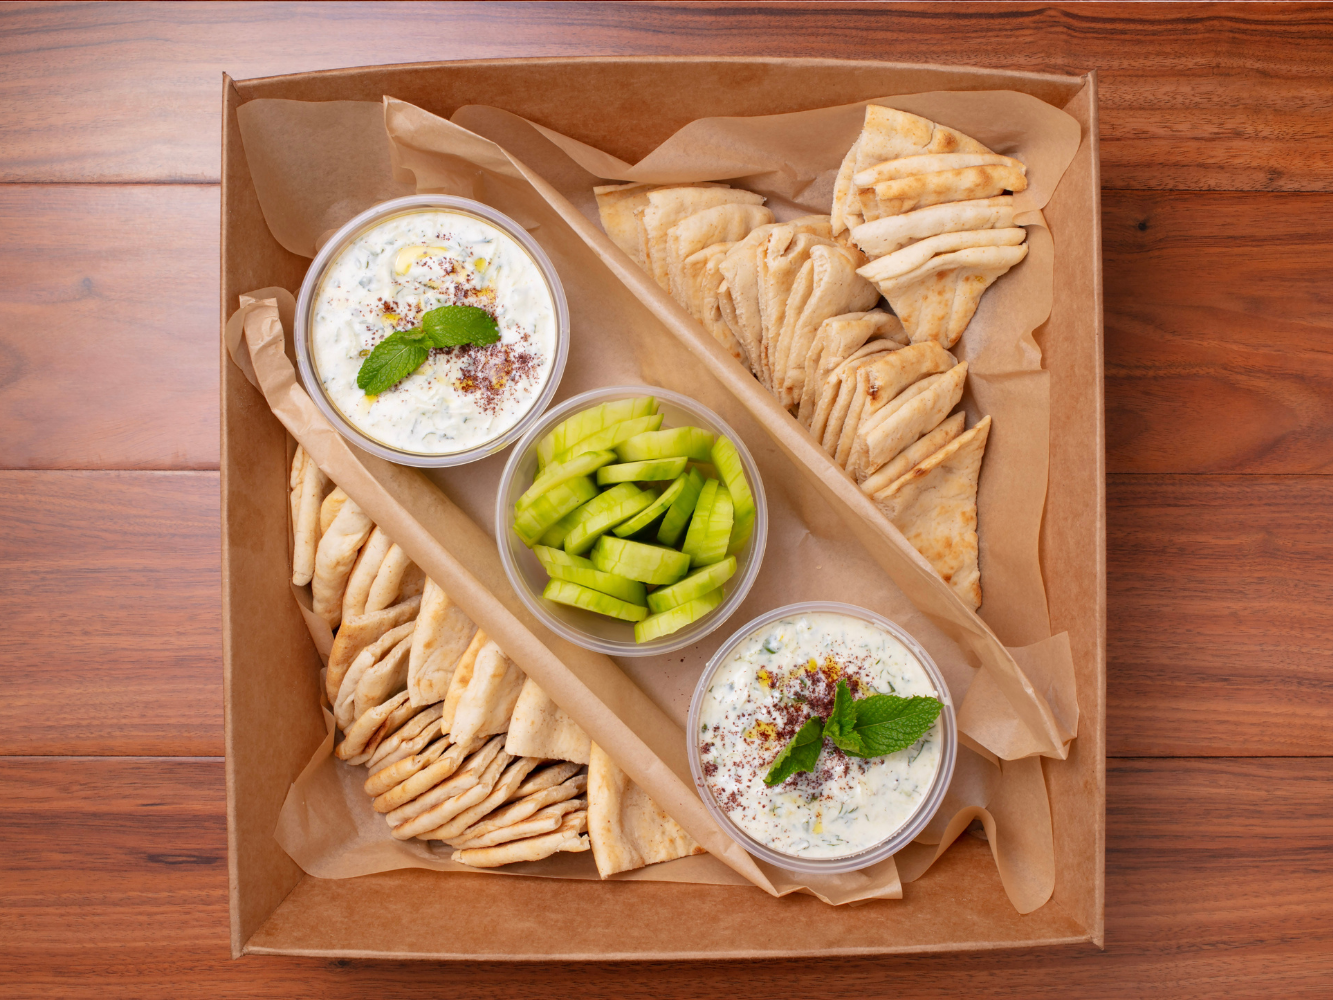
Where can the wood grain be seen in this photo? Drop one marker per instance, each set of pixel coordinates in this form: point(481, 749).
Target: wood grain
point(108, 327)
point(121, 92)
point(1220, 876)
point(110, 599)
point(1219, 315)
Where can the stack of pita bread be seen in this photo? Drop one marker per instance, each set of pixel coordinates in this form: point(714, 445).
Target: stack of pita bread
point(460, 746)
point(928, 205)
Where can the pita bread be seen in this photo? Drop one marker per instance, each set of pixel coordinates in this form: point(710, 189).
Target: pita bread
point(935, 507)
point(334, 558)
point(344, 704)
point(703, 284)
point(719, 224)
point(391, 724)
point(385, 678)
point(841, 397)
point(328, 510)
point(520, 808)
point(937, 300)
point(784, 255)
point(566, 838)
point(456, 770)
point(547, 777)
point(306, 525)
point(510, 779)
point(894, 378)
point(442, 636)
point(541, 728)
point(362, 577)
point(886, 439)
point(400, 770)
point(627, 829)
point(355, 634)
point(858, 458)
point(488, 701)
point(617, 205)
point(893, 470)
point(835, 341)
point(886, 236)
point(836, 289)
point(412, 583)
point(436, 816)
point(909, 258)
point(412, 738)
point(359, 733)
point(542, 821)
point(907, 194)
point(294, 479)
point(668, 206)
point(462, 677)
point(931, 163)
point(739, 303)
point(384, 591)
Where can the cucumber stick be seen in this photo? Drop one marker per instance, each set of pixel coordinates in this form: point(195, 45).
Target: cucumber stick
point(554, 475)
point(690, 442)
point(696, 585)
point(708, 544)
point(728, 462)
point(588, 422)
point(677, 618)
point(654, 510)
point(536, 518)
point(564, 592)
point(606, 514)
point(646, 563)
point(562, 566)
point(641, 472)
point(678, 517)
point(608, 438)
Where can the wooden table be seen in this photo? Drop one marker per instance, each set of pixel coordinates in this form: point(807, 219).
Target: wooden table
point(1217, 144)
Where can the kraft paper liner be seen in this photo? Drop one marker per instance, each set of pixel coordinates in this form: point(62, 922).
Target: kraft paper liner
point(327, 824)
point(479, 169)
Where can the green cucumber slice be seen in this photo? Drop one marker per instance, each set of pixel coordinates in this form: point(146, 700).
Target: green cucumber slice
point(694, 537)
point(587, 422)
point(646, 516)
point(678, 517)
point(639, 561)
point(729, 467)
point(564, 592)
point(711, 546)
point(606, 514)
point(656, 626)
point(597, 505)
point(641, 472)
point(608, 438)
point(694, 586)
point(554, 475)
point(535, 519)
point(562, 566)
point(555, 534)
point(691, 442)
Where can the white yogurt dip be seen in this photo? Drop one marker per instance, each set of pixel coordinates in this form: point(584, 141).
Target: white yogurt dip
point(392, 274)
point(765, 690)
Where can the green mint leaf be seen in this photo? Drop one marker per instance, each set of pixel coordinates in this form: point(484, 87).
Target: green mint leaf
point(886, 723)
point(453, 326)
point(841, 725)
point(393, 359)
point(800, 754)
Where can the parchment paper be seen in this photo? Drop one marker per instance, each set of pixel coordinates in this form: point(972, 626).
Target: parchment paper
point(833, 543)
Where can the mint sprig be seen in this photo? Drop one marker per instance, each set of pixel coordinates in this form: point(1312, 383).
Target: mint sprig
point(403, 352)
point(860, 727)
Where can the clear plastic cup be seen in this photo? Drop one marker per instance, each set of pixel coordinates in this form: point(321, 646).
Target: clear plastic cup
point(895, 840)
point(348, 234)
point(586, 628)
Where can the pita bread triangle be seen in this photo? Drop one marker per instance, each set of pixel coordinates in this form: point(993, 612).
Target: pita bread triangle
point(719, 224)
point(541, 728)
point(935, 507)
point(938, 299)
point(617, 205)
point(668, 206)
point(628, 830)
point(884, 236)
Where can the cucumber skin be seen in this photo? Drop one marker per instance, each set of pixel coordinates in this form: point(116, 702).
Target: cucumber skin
point(727, 460)
point(620, 587)
point(665, 598)
point(650, 513)
point(611, 436)
point(692, 443)
point(582, 465)
point(571, 594)
point(612, 412)
point(713, 547)
point(654, 626)
point(639, 561)
point(538, 517)
point(577, 543)
point(555, 535)
point(678, 515)
point(641, 472)
point(703, 510)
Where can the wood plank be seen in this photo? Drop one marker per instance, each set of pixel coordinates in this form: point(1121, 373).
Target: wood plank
point(113, 876)
point(110, 599)
point(1204, 97)
point(1219, 332)
point(124, 280)
point(1220, 633)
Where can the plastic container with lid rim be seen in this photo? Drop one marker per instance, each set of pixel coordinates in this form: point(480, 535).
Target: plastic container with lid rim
point(348, 234)
point(586, 628)
point(895, 840)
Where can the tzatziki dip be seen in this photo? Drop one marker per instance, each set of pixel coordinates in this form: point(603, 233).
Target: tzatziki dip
point(384, 281)
point(762, 693)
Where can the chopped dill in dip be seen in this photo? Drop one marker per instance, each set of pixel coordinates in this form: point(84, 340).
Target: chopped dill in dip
point(778, 677)
point(385, 281)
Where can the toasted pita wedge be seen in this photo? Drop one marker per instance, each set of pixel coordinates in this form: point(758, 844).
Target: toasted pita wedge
point(334, 559)
point(510, 779)
point(627, 829)
point(617, 204)
point(668, 206)
point(909, 258)
point(403, 743)
point(488, 702)
point(893, 470)
point(541, 821)
point(388, 580)
point(427, 822)
point(400, 770)
point(784, 255)
point(442, 636)
point(294, 482)
point(703, 285)
point(931, 163)
point(858, 460)
point(328, 510)
point(826, 424)
point(835, 341)
point(412, 583)
point(520, 808)
point(359, 733)
point(547, 777)
point(935, 507)
point(887, 439)
point(384, 679)
point(907, 194)
point(888, 380)
point(462, 677)
point(719, 224)
point(344, 703)
point(456, 770)
point(362, 577)
point(541, 728)
point(937, 300)
point(888, 235)
point(835, 290)
point(306, 525)
point(739, 303)
point(566, 838)
point(355, 634)
point(391, 724)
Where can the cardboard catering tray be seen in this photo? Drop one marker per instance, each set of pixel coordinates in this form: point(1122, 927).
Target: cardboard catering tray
point(627, 107)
